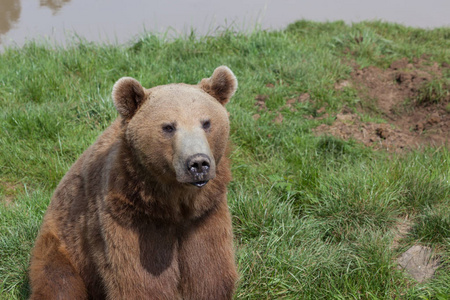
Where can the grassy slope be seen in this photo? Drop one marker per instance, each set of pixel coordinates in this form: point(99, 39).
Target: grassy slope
point(313, 216)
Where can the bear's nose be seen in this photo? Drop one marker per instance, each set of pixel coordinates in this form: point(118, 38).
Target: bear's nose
point(198, 166)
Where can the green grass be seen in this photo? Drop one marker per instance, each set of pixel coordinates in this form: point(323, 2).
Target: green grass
point(314, 217)
point(434, 91)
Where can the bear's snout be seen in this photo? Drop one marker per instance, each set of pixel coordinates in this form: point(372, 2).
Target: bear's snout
point(193, 160)
point(198, 166)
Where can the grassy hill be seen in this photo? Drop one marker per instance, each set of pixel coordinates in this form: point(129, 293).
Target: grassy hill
point(319, 210)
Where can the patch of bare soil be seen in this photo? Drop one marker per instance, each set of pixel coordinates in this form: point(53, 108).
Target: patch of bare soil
point(419, 262)
point(377, 135)
point(10, 189)
point(402, 228)
point(388, 92)
point(261, 102)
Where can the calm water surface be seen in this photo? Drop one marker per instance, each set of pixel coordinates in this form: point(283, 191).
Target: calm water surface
point(119, 21)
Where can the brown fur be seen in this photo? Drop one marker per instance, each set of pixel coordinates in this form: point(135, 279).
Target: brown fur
point(122, 226)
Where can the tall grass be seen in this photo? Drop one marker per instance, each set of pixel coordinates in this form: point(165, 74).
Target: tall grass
point(314, 217)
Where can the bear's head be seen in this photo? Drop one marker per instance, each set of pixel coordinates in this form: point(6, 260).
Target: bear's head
point(178, 132)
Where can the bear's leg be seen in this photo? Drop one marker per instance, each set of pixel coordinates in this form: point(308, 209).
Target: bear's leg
point(207, 263)
point(52, 276)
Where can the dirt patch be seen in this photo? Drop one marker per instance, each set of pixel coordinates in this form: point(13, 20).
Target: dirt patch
point(7, 200)
point(392, 94)
point(403, 227)
point(9, 190)
point(419, 262)
point(261, 102)
point(376, 135)
point(278, 119)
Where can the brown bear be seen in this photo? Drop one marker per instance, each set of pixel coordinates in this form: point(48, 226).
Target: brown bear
point(143, 213)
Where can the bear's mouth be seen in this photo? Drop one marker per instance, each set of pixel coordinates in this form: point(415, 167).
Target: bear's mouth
point(199, 184)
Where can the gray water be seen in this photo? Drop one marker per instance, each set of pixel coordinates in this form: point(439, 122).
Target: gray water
point(119, 21)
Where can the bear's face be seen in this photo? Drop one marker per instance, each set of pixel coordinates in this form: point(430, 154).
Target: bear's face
point(179, 132)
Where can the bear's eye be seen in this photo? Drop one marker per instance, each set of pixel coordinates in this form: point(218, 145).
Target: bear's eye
point(168, 128)
point(206, 125)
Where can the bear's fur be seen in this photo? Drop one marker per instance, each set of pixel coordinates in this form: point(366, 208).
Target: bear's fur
point(135, 217)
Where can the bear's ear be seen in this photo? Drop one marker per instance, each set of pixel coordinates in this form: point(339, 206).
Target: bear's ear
point(221, 85)
point(128, 95)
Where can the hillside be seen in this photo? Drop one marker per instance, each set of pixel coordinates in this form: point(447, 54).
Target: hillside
point(340, 157)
